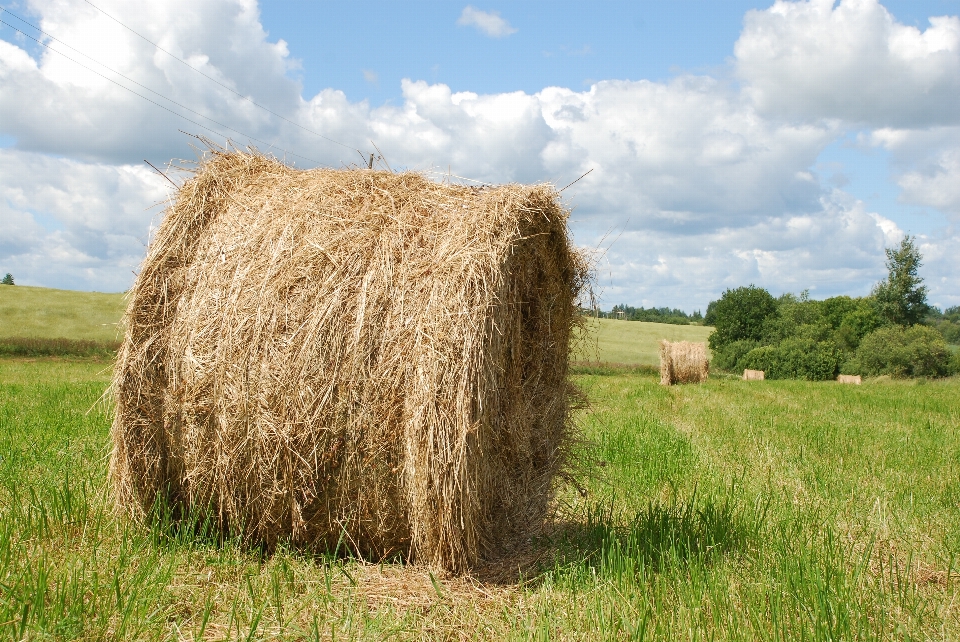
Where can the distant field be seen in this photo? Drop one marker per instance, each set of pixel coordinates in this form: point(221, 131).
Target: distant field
point(43, 312)
point(93, 316)
point(632, 342)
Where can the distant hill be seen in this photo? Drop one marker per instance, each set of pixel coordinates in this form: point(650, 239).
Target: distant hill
point(632, 342)
point(46, 313)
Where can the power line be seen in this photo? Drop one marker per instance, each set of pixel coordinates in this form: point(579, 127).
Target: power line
point(228, 88)
point(164, 107)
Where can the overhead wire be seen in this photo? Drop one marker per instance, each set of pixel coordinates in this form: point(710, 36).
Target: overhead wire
point(121, 85)
point(212, 79)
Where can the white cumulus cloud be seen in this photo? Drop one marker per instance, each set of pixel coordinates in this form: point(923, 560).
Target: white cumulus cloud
point(73, 224)
point(702, 184)
point(851, 61)
point(488, 23)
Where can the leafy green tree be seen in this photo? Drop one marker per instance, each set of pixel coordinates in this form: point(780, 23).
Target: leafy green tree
point(7, 280)
point(902, 297)
point(836, 308)
point(740, 315)
point(858, 323)
point(947, 322)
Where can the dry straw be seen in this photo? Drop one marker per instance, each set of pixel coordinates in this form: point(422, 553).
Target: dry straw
point(350, 357)
point(683, 362)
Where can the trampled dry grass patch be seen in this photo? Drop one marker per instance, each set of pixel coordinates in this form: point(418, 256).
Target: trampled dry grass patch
point(351, 358)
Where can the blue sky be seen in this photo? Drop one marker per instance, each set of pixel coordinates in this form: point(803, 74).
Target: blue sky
point(731, 142)
point(567, 44)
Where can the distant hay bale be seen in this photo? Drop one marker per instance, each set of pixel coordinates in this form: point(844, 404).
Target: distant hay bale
point(854, 379)
point(683, 362)
point(753, 375)
point(350, 357)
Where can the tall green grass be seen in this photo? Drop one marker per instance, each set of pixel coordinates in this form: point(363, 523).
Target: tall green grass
point(43, 347)
point(725, 511)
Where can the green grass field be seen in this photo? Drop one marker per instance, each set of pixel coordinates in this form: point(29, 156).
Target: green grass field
point(733, 510)
point(46, 313)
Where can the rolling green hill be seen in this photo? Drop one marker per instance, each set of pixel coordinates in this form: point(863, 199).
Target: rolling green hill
point(47, 313)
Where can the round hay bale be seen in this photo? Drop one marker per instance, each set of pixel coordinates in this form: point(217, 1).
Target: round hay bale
point(350, 357)
point(683, 362)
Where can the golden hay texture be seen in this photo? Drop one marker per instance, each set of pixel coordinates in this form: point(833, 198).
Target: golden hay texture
point(854, 379)
point(753, 375)
point(683, 362)
point(350, 358)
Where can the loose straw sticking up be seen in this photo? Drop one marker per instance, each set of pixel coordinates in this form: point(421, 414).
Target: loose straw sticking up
point(350, 357)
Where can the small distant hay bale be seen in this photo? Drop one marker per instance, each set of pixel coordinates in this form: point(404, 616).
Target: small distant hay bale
point(753, 375)
point(854, 379)
point(683, 362)
point(350, 357)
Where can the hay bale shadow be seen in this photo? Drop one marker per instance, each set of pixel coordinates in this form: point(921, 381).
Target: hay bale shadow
point(661, 535)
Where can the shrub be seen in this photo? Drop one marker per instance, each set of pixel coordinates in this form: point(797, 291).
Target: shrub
point(795, 358)
point(726, 357)
point(760, 358)
point(917, 351)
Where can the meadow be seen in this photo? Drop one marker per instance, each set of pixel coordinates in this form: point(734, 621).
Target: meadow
point(731, 510)
point(631, 342)
point(51, 314)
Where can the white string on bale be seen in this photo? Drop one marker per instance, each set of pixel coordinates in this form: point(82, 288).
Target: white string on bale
point(683, 362)
point(353, 356)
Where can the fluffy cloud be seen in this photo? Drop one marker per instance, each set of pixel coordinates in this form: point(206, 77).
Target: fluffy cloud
point(702, 184)
point(488, 23)
point(831, 250)
point(853, 61)
point(73, 111)
point(685, 156)
point(927, 165)
point(74, 224)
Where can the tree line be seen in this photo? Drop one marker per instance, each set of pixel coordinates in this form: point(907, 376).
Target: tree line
point(893, 331)
point(654, 315)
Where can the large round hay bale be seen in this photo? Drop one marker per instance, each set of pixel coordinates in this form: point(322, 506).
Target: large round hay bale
point(683, 362)
point(350, 357)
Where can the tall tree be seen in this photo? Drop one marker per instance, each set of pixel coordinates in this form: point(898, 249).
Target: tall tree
point(902, 297)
